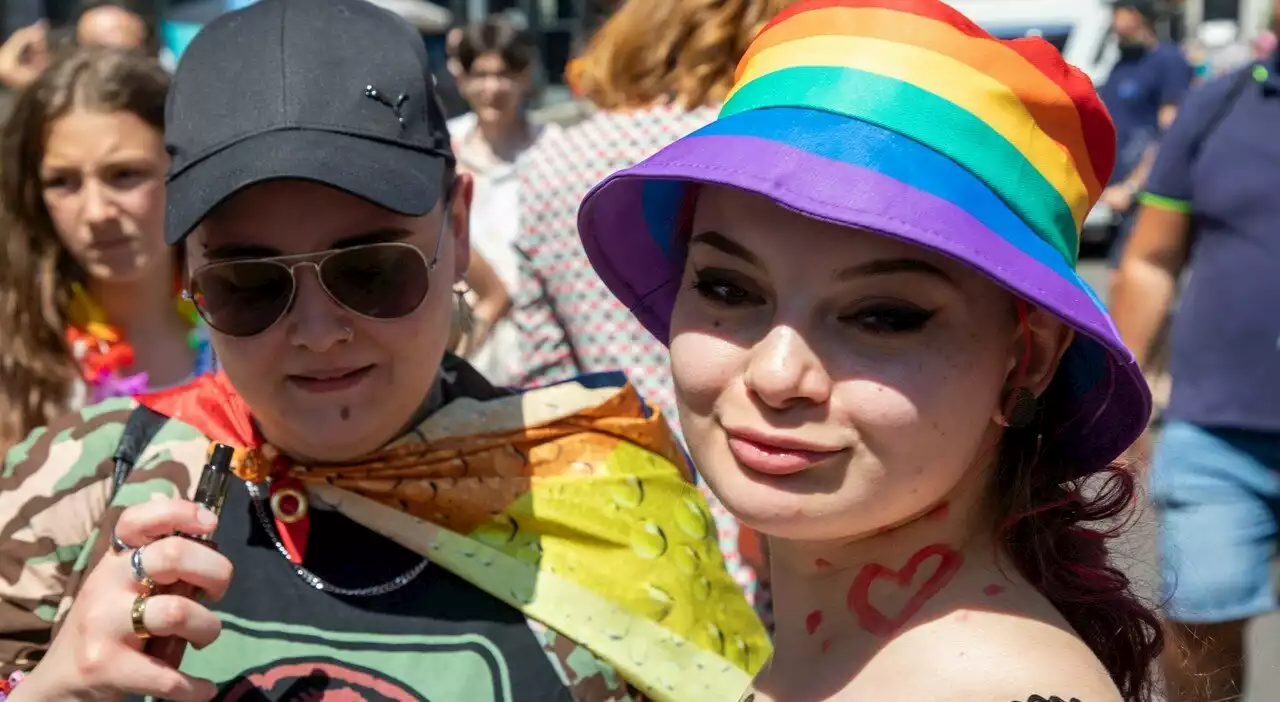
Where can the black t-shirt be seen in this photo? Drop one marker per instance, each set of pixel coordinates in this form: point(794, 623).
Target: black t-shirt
point(437, 638)
point(284, 640)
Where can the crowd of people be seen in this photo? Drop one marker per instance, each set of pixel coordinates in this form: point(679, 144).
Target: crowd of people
point(767, 379)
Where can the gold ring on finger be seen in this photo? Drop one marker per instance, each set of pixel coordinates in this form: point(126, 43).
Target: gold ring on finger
point(139, 571)
point(137, 614)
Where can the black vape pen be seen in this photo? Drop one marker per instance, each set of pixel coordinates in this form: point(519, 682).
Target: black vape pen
point(211, 492)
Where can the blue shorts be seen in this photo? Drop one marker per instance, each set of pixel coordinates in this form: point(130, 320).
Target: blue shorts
point(1217, 499)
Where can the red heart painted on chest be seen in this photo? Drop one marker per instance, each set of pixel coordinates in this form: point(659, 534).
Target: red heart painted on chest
point(878, 623)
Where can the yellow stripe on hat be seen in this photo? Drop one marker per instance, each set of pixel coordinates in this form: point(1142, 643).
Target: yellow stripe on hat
point(976, 92)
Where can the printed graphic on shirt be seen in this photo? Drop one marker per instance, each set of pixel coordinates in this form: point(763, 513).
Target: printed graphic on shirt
point(311, 665)
point(314, 680)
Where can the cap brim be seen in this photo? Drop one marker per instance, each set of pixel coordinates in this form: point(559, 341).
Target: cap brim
point(856, 174)
point(402, 180)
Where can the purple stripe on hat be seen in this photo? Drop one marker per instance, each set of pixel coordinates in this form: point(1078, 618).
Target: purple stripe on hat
point(818, 187)
point(644, 267)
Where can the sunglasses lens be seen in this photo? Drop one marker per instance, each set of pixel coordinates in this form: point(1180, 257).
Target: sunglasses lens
point(382, 281)
point(242, 298)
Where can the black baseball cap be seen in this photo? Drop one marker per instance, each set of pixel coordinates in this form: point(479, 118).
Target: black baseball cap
point(338, 92)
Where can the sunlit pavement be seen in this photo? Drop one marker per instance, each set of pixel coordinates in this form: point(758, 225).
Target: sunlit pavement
point(1136, 553)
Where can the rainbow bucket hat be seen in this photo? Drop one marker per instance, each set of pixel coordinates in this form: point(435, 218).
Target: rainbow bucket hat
point(904, 118)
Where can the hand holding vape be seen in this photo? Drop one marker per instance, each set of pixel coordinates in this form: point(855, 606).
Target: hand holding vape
point(211, 492)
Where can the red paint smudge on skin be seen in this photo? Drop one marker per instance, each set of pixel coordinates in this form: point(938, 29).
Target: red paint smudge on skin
point(992, 590)
point(823, 563)
point(813, 621)
point(939, 512)
point(878, 623)
point(826, 645)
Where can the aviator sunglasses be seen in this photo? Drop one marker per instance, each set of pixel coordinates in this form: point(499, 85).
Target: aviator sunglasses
point(387, 280)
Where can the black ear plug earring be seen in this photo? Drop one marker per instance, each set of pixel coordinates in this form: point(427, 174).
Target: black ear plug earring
point(1020, 408)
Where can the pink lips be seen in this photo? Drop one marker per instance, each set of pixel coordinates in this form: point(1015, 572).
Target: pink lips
point(112, 245)
point(331, 380)
point(775, 455)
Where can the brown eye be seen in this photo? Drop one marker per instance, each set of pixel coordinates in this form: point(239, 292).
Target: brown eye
point(890, 319)
point(722, 291)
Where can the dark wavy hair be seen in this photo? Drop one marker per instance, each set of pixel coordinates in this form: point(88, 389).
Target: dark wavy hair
point(496, 35)
point(36, 271)
point(1055, 525)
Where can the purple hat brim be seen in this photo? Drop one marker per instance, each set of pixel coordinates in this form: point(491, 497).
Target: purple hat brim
point(856, 174)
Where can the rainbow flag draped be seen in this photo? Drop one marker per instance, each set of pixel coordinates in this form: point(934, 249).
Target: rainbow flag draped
point(572, 503)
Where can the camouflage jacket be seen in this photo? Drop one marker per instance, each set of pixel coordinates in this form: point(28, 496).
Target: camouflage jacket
point(56, 515)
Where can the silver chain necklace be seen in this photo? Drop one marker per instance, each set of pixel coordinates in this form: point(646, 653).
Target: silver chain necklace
point(316, 581)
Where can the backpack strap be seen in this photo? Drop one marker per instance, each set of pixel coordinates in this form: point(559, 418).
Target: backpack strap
point(139, 430)
point(1222, 109)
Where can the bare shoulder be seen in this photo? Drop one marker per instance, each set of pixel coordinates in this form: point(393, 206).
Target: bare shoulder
point(983, 656)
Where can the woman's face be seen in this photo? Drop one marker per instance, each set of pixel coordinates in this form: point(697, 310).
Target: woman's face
point(492, 89)
point(325, 383)
point(832, 382)
point(102, 180)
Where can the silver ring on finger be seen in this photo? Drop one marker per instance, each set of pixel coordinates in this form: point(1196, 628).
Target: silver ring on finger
point(118, 545)
point(139, 571)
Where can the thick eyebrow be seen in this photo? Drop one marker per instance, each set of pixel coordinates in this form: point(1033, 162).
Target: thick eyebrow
point(891, 266)
point(240, 250)
point(882, 266)
point(138, 162)
point(724, 244)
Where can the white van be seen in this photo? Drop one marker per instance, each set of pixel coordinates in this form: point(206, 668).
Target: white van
point(1081, 29)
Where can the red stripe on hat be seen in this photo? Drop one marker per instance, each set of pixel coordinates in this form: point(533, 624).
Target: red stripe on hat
point(926, 8)
point(1099, 131)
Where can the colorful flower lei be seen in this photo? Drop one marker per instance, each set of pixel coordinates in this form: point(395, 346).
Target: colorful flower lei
point(6, 686)
point(104, 355)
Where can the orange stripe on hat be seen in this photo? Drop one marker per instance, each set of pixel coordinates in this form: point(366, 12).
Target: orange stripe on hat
point(1048, 103)
point(1096, 125)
